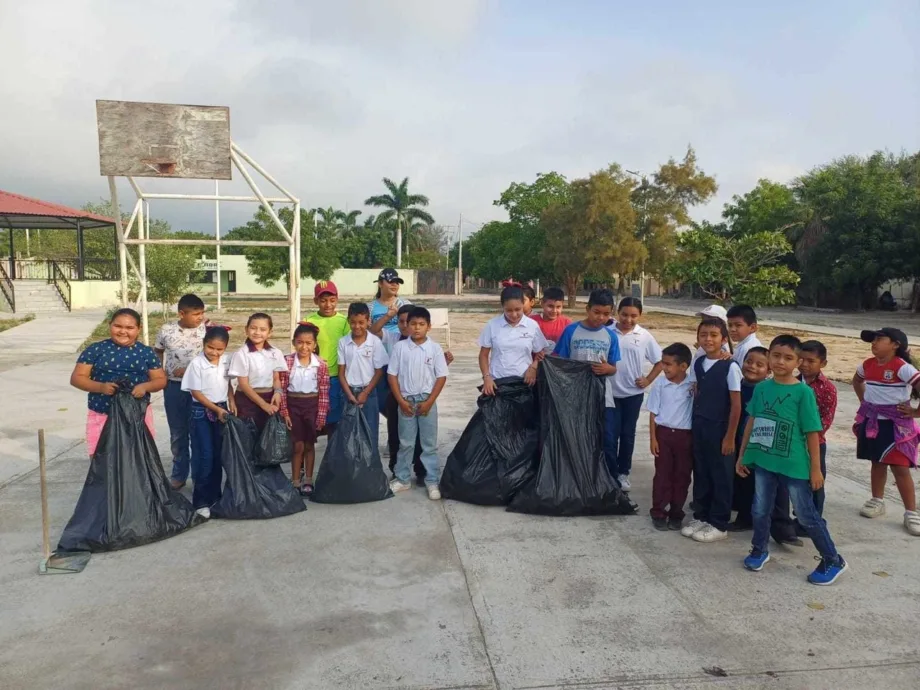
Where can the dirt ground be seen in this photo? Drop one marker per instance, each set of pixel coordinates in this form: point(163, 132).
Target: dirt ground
point(843, 353)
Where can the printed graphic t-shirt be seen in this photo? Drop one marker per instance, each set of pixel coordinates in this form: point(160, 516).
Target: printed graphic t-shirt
point(782, 415)
point(115, 363)
point(591, 345)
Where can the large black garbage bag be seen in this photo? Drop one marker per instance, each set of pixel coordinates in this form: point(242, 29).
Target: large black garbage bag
point(351, 471)
point(572, 477)
point(275, 444)
point(126, 500)
point(497, 452)
point(251, 493)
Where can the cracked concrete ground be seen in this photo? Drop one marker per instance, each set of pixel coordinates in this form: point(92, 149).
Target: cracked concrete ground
point(410, 593)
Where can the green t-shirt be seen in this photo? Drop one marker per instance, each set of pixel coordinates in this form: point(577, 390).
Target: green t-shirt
point(782, 415)
point(331, 330)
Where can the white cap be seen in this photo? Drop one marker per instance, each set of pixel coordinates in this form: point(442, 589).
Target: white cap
point(716, 311)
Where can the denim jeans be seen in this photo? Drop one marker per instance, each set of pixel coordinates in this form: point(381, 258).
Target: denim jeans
point(371, 412)
point(206, 468)
point(803, 501)
point(426, 429)
point(620, 435)
point(178, 404)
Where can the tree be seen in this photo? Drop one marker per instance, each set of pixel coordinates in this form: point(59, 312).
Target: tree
point(746, 269)
point(502, 249)
point(593, 231)
point(662, 206)
point(168, 270)
point(769, 206)
point(369, 246)
point(319, 251)
point(402, 206)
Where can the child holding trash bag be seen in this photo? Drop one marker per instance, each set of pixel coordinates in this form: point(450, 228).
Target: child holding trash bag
point(510, 344)
point(417, 374)
point(103, 366)
point(256, 367)
point(361, 362)
point(208, 382)
point(304, 402)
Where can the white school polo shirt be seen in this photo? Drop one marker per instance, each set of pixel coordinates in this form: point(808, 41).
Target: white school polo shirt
point(417, 367)
point(303, 378)
point(636, 348)
point(671, 403)
point(361, 361)
point(211, 380)
point(733, 377)
point(257, 365)
point(513, 347)
point(742, 348)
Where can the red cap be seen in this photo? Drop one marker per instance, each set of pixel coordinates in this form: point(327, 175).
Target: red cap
point(325, 287)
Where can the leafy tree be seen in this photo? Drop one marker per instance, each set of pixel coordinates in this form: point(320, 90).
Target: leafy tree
point(401, 206)
point(662, 205)
point(744, 269)
point(593, 231)
point(168, 270)
point(469, 260)
point(502, 249)
point(369, 246)
point(769, 206)
point(320, 250)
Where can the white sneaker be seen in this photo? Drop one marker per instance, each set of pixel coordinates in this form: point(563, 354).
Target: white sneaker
point(709, 533)
point(912, 522)
point(396, 486)
point(624, 482)
point(434, 493)
point(693, 526)
point(206, 513)
point(873, 508)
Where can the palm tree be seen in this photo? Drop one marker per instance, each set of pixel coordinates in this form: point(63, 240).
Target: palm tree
point(349, 222)
point(402, 206)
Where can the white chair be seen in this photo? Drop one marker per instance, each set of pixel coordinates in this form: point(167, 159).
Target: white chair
point(439, 319)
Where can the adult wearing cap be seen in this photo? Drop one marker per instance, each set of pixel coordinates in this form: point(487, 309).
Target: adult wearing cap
point(387, 301)
point(332, 328)
point(886, 432)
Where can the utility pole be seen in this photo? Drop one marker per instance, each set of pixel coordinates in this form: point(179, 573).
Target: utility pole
point(460, 255)
point(217, 237)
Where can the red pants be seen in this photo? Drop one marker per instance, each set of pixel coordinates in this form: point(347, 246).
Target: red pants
point(673, 470)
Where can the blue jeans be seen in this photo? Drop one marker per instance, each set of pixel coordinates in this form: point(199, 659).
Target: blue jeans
point(336, 399)
point(371, 413)
point(178, 404)
point(206, 469)
point(426, 430)
point(620, 433)
point(766, 484)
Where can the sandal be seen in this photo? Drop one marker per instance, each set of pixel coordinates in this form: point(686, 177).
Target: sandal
point(306, 490)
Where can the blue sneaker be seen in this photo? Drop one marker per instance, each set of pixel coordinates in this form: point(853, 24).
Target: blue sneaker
point(828, 570)
point(756, 560)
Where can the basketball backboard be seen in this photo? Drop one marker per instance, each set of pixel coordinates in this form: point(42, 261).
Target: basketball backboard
point(163, 140)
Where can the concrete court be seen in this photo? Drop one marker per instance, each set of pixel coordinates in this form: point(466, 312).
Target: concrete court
point(409, 593)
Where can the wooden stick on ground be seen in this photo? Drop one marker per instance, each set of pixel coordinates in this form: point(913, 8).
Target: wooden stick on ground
point(46, 522)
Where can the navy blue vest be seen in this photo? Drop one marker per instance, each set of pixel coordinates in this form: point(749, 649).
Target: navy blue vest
point(712, 402)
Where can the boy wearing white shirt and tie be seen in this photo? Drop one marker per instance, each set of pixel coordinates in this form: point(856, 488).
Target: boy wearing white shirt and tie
point(670, 406)
point(417, 374)
point(362, 358)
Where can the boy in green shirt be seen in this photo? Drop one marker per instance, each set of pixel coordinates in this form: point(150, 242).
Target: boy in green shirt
point(332, 327)
point(781, 445)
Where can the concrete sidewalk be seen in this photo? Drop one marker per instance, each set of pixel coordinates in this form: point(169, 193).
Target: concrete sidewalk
point(45, 336)
point(409, 593)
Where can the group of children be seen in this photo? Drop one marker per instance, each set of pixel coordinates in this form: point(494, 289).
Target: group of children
point(745, 424)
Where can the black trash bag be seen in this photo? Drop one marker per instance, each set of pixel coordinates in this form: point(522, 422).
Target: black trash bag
point(127, 499)
point(497, 453)
point(275, 445)
point(351, 471)
point(251, 493)
point(572, 477)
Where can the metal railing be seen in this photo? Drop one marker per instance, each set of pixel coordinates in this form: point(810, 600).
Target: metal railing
point(93, 269)
point(60, 282)
point(6, 287)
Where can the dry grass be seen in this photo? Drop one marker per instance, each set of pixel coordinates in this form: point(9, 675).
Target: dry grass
point(7, 324)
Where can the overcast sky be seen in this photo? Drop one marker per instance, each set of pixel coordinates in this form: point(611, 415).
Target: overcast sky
point(461, 96)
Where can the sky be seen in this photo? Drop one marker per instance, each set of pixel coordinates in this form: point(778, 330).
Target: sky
point(462, 96)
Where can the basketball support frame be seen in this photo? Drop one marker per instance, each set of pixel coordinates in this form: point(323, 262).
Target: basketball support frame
point(140, 220)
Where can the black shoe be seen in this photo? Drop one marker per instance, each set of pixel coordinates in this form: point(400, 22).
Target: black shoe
point(675, 523)
point(800, 531)
point(419, 480)
point(742, 526)
point(660, 524)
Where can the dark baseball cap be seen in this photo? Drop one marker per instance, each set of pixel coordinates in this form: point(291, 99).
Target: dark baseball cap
point(389, 275)
point(892, 333)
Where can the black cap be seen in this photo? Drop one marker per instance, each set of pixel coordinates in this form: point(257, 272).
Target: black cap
point(390, 275)
point(892, 333)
